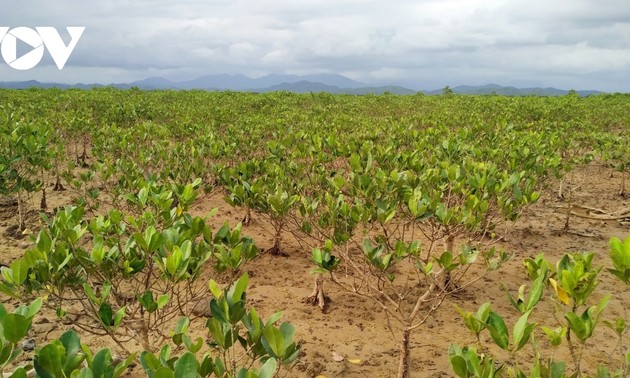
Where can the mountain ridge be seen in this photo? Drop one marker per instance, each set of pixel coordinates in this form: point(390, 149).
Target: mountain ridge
point(331, 83)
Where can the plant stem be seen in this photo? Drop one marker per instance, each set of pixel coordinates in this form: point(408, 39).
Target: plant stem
point(403, 362)
point(580, 360)
point(566, 223)
point(21, 224)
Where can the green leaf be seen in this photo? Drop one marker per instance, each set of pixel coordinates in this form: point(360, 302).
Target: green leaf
point(86, 372)
point(182, 325)
point(118, 317)
point(620, 256)
point(102, 364)
point(577, 325)
point(223, 232)
point(623, 275)
point(19, 373)
point(558, 369)
point(235, 293)
point(273, 318)
point(273, 342)
point(207, 366)
point(162, 300)
point(7, 352)
point(518, 334)
point(174, 261)
point(368, 164)
point(473, 323)
point(143, 195)
point(244, 373)
point(88, 354)
point(317, 256)
point(123, 365)
point(218, 311)
point(149, 361)
point(90, 294)
point(34, 308)
point(164, 372)
point(105, 314)
point(616, 252)
point(535, 292)
point(105, 290)
point(555, 336)
point(147, 301)
point(72, 344)
point(193, 347)
point(441, 212)
point(19, 271)
point(188, 193)
point(186, 366)
point(48, 362)
point(288, 331)
point(458, 363)
point(619, 326)
point(73, 363)
point(268, 369)
point(215, 289)
point(526, 335)
point(165, 354)
point(15, 327)
point(218, 330)
point(44, 242)
point(498, 330)
point(355, 162)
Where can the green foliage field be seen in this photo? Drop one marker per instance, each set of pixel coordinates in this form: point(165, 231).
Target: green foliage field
point(386, 187)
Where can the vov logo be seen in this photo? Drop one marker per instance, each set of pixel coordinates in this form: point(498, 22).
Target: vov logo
point(39, 38)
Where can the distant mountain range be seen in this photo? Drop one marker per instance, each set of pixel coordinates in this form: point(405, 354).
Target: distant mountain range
point(513, 91)
point(293, 83)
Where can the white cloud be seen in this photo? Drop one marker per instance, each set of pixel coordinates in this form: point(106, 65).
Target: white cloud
point(426, 43)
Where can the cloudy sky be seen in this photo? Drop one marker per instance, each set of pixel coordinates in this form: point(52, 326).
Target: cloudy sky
point(422, 44)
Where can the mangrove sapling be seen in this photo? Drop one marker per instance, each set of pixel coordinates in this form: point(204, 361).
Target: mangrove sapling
point(242, 343)
point(59, 154)
point(68, 357)
point(24, 149)
point(620, 257)
point(242, 195)
point(385, 210)
point(303, 225)
point(568, 213)
point(14, 327)
point(616, 154)
point(243, 188)
point(80, 127)
point(272, 195)
point(572, 280)
point(159, 255)
point(331, 223)
point(408, 303)
point(277, 206)
point(43, 205)
point(465, 361)
point(573, 152)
